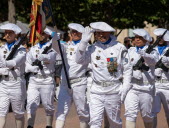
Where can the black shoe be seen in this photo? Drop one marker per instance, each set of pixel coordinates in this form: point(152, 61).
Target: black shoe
point(29, 126)
point(48, 126)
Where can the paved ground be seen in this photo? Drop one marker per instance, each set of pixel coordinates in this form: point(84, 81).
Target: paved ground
point(73, 122)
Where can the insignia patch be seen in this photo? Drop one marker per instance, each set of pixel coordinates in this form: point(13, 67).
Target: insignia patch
point(71, 49)
point(70, 53)
point(112, 65)
point(4, 56)
point(37, 51)
point(132, 59)
point(99, 51)
point(21, 52)
point(97, 57)
point(95, 65)
point(152, 52)
point(5, 52)
point(46, 62)
point(111, 53)
point(126, 60)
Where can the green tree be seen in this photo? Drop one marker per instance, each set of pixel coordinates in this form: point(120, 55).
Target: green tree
point(118, 13)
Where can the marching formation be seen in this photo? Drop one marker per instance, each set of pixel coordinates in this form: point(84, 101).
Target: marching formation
point(98, 77)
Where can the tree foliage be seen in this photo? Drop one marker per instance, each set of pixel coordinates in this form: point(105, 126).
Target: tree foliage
point(118, 13)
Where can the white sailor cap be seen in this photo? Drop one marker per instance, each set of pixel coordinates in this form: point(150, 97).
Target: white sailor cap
point(160, 31)
point(48, 31)
point(143, 33)
point(10, 26)
point(77, 27)
point(101, 26)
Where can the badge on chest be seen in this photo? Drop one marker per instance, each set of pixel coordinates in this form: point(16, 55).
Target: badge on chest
point(5, 52)
point(71, 51)
point(112, 65)
point(97, 57)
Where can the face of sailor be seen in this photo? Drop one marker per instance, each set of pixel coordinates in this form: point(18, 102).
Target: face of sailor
point(139, 41)
point(102, 36)
point(162, 42)
point(44, 37)
point(10, 36)
point(75, 35)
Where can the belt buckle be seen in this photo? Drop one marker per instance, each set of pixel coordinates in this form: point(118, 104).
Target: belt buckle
point(138, 82)
point(164, 81)
point(104, 84)
point(39, 76)
point(159, 81)
point(145, 83)
point(72, 81)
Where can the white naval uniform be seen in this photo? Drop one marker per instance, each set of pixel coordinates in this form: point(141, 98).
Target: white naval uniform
point(13, 86)
point(78, 81)
point(140, 97)
point(42, 84)
point(105, 87)
point(162, 90)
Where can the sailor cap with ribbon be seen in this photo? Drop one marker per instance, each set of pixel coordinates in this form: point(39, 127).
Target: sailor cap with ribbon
point(160, 31)
point(143, 33)
point(48, 31)
point(10, 26)
point(101, 26)
point(77, 27)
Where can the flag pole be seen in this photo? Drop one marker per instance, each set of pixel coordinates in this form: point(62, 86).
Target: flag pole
point(61, 53)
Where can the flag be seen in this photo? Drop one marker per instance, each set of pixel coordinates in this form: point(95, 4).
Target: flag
point(40, 16)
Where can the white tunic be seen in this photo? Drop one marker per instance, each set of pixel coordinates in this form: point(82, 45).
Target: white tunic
point(12, 82)
point(74, 69)
point(147, 76)
point(164, 75)
point(99, 55)
point(19, 60)
point(48, 64)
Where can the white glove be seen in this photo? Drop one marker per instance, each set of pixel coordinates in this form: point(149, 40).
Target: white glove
point(2, 63)
point(141, 52)
point(35, 69)
point(86, 35)
point(4, 71)
point(123, 92)
point(137, 74)
point(158, 72)
point(42, 57)
point(56, 36)
point(165, 60)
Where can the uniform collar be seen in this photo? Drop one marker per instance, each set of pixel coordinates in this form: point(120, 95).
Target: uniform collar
point(41, 45)
point(9, 46)
point(76, 42)
point(161, 49)
point(112, 41)
point(137, 48)
point(72, 43)
point(108, 41)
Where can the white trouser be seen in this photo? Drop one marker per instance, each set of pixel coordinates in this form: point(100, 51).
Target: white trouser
point(162, 96)
point(139, 101)
point(111, 104)
point(88, 94)
point(76, 95)
point(12, 92)
point(43, 92)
